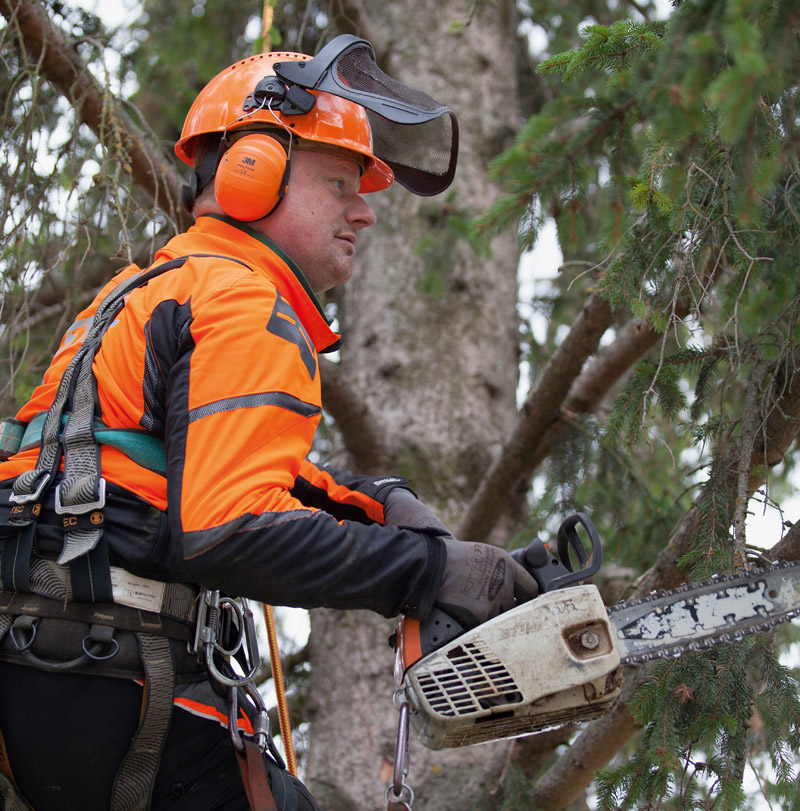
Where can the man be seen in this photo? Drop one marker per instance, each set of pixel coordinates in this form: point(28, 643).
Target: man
point(184, 402)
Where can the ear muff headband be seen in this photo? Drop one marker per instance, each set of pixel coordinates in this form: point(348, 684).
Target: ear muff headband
point(252, 177)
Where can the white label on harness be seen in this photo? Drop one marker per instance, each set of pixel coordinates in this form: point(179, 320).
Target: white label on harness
point(136, 592)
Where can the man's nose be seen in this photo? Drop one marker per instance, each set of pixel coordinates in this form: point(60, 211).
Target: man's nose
point(361, 213)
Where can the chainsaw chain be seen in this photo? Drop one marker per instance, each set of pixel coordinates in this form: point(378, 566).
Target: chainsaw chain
point(711, 641)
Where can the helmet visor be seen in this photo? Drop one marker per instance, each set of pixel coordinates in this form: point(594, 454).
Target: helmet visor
point(414, 134)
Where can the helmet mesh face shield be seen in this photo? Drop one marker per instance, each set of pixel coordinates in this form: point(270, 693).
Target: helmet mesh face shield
point(414, 134)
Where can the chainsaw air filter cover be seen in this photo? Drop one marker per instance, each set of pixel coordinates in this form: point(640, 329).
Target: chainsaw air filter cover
point(545, 663)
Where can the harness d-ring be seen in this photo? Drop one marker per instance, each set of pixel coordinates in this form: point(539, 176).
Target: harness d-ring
point(23, 623)
point(99, 646)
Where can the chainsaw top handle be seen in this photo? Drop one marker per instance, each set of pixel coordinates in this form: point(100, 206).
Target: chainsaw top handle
point(552, 572)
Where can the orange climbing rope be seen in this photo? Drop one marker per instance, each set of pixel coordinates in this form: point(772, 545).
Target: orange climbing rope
point(266, 24)
point(280, 691)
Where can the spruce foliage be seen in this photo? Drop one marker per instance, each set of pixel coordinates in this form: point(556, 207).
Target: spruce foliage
point(696, 712)
point(667, 153)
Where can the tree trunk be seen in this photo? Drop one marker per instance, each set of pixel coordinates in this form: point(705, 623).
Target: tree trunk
point(430, 352)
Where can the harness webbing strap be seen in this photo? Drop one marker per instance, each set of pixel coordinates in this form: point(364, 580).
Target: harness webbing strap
point(90, 573)
point(17, 549)
point(12, 432)
point(137, 773)
point(28, 483)
point(11, 801)
point(111, 614)
point(69, 432)
point(145, 450)
point(82, 488)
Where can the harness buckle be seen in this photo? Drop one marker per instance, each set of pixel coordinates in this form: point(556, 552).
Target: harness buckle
point(80, 509)
point(25, 498)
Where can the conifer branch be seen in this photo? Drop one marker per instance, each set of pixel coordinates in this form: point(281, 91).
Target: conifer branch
point(788, 547)
point(56, 298)
point(595, 747)
point(63, 67)
point(611, 362)
point(537, 415)
point(781, 422)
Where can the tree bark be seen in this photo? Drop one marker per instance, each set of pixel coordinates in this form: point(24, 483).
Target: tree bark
point(430, 356)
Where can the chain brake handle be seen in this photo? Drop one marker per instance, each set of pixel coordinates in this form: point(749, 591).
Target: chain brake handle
point(569, 540)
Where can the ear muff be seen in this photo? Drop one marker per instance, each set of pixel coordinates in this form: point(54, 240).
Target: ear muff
point(251, 178)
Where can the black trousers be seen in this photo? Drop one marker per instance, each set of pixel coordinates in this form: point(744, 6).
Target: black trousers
point(65, 736)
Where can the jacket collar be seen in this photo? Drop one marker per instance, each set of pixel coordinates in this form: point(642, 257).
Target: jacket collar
point(239, 240)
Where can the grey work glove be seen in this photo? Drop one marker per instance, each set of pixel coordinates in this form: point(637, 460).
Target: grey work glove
point(403, 509)
point(481, 581)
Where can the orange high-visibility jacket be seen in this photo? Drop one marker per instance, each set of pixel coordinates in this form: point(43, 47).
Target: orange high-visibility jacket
point(219, 358)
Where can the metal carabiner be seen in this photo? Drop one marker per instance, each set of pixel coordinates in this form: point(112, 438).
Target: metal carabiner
point(206, 644)
point(399, 795)
point(400, 770)
point(262, 729)
point(207, 636)
point(232, 607)
point(233, 719)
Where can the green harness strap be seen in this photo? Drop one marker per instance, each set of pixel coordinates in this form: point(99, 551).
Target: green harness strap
point(145, 450)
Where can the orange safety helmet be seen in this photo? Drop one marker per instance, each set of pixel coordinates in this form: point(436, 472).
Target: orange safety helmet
point(248, 94)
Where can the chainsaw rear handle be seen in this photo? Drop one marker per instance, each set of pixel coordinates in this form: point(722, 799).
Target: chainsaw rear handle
point(552, 572)
point(415, 640)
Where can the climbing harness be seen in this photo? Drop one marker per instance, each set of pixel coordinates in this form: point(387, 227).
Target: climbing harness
point(175, 628)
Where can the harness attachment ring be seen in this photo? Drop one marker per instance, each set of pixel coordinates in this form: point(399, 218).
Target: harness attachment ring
point(91, 653)
point(31, 626)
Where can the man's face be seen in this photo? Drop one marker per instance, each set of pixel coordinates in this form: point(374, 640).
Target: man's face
point(318, 221)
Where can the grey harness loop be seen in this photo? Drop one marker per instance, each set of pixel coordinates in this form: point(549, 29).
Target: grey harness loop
point(11, 801)
point(137, 773)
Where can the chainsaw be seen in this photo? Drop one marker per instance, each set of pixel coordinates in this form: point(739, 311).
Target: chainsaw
point(556, 659)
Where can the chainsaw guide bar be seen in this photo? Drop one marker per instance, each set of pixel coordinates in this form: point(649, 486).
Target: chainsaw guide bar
point(696, 616)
